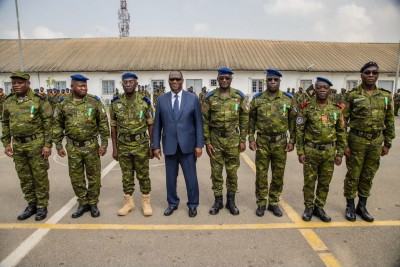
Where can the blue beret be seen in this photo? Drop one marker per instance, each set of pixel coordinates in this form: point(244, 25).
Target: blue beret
point(129, 75)
point(325, 80)
point(272, 72)
point(36, 90)
point(225, 71)
point(79, 78)
point(369, 64)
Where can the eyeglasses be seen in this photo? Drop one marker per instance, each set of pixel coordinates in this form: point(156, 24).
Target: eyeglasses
point(369, 72)
point(175, 79)
point(273, 79)
point(226, 78)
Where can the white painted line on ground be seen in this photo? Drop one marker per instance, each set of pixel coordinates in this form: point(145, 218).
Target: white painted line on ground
point(23, 249)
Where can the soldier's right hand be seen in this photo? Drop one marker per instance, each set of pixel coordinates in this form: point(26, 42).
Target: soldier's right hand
point(61, 152)
point(347, 152)
point(8, 151)
point(253, 145)
point(210, 150)
point(302, 158)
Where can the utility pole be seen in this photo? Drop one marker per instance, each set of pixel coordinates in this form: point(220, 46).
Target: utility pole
point(21, 59)
point(123, 19)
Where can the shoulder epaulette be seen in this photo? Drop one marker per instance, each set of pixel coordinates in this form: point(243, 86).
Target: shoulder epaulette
point(145, 99)
point(340, 105)
point(95, 97)
point(383, 89)
point(240, 93)
point(305, 104)
point(114, 99)
point(10, 94)
point(210, 94)
point(38, 95)
point(257, 95)
point(288, 94)
point(60, 99)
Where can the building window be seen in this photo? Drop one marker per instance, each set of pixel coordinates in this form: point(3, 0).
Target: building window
point(213, 82)
point(305, 83)
point(7, 87)
point(60, 85)
point(388, 85)
point(195, 83)
point(257, 85)
point(157, 83)
point(351, 84)
point(108, 87)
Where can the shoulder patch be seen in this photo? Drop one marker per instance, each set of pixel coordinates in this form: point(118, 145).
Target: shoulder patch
point(60, 99)
point(305, 104)
point(257, 95)
point(240, 93)
point(114, 99)
point(288, 94)
point(210, 94)
point(145, 99)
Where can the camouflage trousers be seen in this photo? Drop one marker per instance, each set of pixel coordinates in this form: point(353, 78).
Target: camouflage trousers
point(274, 153)
point(396, 107)
point(81, 160)
point(318, 169)
point(226, 153)
point(32, 169)
point(134, 158)
point(362, 165)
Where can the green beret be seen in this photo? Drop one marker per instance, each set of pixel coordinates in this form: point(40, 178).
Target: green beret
point(20, 75)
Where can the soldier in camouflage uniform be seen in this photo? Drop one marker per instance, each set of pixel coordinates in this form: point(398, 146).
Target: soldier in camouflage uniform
point(225, 119)
point(396, 102)
point(81, 118)
point(131, 115)
point(320, 139)
point(202, 94)
point(342, 97)
point(271, 116)
point(370, 117)
point(2, 97)
point(27, 138)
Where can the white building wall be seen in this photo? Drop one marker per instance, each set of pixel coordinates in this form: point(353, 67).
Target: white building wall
point(242, 80)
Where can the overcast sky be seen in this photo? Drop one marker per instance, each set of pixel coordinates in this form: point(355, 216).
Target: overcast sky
point(312, 20)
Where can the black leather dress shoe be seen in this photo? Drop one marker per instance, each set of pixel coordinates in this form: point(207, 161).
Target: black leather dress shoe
point(41, 214)
point(275, 210)
point(80, 211)
point(94, 211)
point(28, 212)
point(260, 211)
point(320, 213)
point(192, 212)
point(307, 214)
point(168, 211)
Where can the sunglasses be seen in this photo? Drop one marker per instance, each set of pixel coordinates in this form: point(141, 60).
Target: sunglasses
point(273, 79)
point(224, 78)
point(175, 79)
point(128, 81)
point(369, 72)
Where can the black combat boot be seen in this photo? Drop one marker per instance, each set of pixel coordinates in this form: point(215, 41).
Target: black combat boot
point(80, 211)
point(307, 214)
point(350, 210)
point(230, 204)
point(217, 205)
point(28, 212)
point(275, 210)
point(94, 211)
point(260, 211)
point(320, 213)
point(362, 209)
point(41, 214)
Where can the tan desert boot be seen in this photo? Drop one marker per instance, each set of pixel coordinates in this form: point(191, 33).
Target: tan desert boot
point(147, 211)
point(128, 205)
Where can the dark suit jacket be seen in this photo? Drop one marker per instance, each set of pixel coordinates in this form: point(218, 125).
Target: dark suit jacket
point(187, 131)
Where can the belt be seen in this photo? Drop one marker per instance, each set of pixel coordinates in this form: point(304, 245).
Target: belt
point(320, 147)
point(132, 137)
point(366, 135)
point(223, 134)
point(27, 139)
point(273, 138)
point(82, 143)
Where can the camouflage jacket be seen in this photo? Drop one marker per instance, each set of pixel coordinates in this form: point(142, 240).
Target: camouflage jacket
point(80, 120)
point(21, 118)
point(371, 113)
point(272, 116)
point(397, 97)
point(320, 126)
point(225, 114)
point(201, 96)
point(133, 118)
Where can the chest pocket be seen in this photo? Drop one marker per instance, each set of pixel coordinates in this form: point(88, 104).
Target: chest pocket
point(378, 108)
point(361, 106)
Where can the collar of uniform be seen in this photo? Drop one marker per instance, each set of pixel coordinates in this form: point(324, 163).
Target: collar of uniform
point(29, 95)
point(231, 92)
point(278, 95)
point(361, 90)
point(124, 100)
point(313, 103)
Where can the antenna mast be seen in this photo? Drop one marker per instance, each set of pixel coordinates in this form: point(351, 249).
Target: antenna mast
point(123, 19)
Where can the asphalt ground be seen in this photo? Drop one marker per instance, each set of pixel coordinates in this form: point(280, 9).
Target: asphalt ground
point(206, 240)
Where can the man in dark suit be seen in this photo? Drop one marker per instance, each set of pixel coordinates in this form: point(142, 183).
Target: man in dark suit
point(178, 120)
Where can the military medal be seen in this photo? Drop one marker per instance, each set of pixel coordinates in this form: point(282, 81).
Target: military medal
point(141, 114)
point(236, 107)
point(324, 118)
point(32, 110)
point(334, 116)
point(284, 109)
point(386, 102)
point(90, 114)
